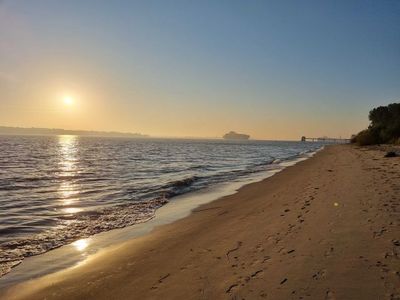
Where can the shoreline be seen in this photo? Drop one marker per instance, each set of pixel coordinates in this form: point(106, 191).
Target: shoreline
point(69, 255)
point(324, 228)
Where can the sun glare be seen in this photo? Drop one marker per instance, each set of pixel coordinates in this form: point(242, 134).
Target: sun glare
point(80, 245)
point(68, 100)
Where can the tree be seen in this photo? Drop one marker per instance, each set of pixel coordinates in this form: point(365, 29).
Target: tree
point(384, 126)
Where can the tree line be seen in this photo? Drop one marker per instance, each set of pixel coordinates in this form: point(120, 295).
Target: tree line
point(384, 126)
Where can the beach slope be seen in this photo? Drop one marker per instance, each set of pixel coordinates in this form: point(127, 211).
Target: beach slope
point(326, 228)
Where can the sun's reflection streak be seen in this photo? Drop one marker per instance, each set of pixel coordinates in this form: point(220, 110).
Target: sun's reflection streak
point(68, 149)
point(67, 191)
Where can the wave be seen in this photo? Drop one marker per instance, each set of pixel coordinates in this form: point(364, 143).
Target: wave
point(178, 187)
point(83, 225)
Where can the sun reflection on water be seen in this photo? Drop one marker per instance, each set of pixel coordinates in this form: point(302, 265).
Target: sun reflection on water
point(71, 210)
point(81, 245)
point(68, 148)
point(67, 190)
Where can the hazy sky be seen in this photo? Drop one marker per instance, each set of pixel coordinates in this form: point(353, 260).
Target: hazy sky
point(272, 69)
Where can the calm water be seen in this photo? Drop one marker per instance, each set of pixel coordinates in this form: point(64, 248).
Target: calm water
point(57, 189)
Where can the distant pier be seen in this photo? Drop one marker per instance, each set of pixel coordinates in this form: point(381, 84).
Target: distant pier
point(325, 139)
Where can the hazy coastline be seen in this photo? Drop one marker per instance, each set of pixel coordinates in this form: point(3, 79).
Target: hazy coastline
point(7, 130)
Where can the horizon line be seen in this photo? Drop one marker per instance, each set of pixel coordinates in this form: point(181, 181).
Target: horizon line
point(112, 133)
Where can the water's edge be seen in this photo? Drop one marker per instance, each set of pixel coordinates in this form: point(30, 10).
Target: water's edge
point(179, 207)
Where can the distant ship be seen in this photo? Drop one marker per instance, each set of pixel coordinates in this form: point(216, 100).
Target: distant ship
point(236, 136)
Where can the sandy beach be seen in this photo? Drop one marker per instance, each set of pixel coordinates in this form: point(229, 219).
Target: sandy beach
point(326, 228)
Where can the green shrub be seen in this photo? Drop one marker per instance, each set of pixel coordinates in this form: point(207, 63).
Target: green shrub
point(384, 127)
point(367, 137)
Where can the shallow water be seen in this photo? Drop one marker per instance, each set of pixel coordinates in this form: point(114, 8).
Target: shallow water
point(57, 189)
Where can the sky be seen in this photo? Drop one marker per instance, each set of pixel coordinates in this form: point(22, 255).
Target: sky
point(271, 69)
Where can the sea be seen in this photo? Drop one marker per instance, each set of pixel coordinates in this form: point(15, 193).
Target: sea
point(55, 190)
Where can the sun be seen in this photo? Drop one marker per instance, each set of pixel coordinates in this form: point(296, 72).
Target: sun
point(68, 100)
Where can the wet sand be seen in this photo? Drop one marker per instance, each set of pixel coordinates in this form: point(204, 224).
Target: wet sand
point(326, 228)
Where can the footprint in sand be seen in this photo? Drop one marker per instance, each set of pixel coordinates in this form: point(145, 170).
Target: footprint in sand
point(238, 245)
point(319, 275)
point(161, 280)
point(230, 288)
point(329, 252)
point(330, 295)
